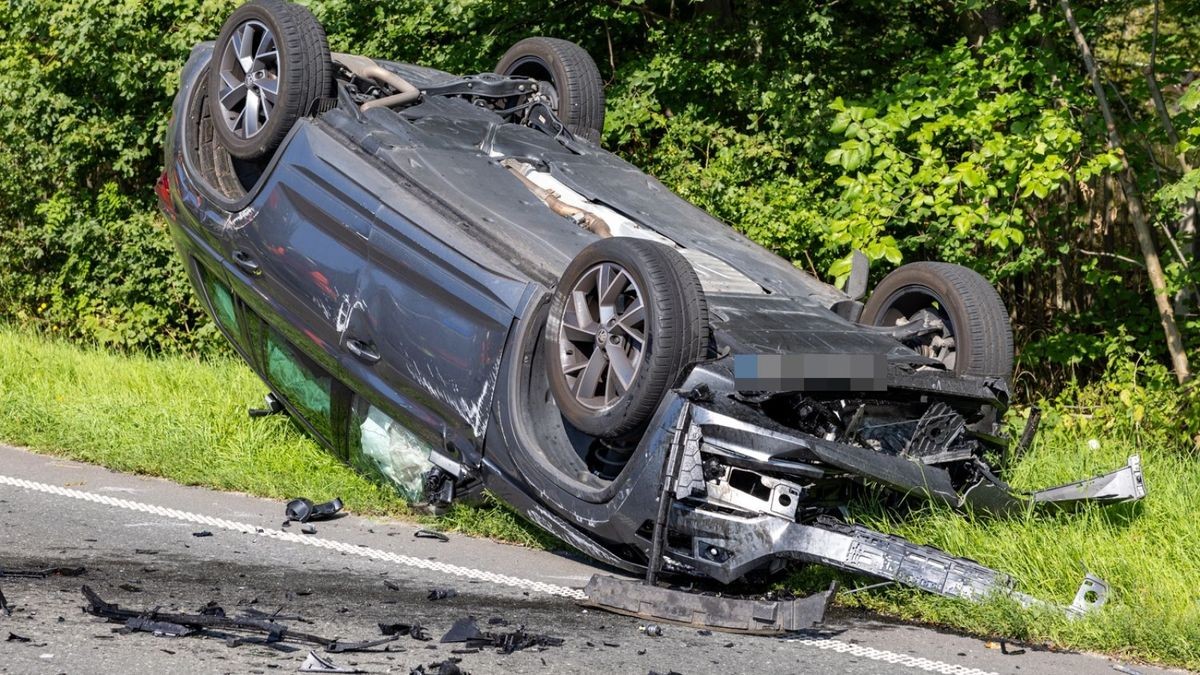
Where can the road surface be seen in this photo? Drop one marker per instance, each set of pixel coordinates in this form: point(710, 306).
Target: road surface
point(135, 537)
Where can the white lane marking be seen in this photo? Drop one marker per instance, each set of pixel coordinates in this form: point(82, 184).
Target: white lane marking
point(307, 540)
point(927, 665)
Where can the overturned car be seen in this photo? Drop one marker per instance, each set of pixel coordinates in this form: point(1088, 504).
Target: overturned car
point(450, 284)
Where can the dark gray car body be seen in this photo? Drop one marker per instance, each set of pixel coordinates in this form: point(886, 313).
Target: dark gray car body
point(394, 251)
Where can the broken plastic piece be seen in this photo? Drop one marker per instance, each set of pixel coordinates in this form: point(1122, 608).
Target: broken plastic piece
point(13, 637)
point(43, 573)
point(204, 533)
point(442, 593)
point(160, 628)
point(309, 529)
point(316, 664)
point(430, 534)
point(1124, 484)
point(463, 630)
point(759, 617)
point(303, 509)
point(1092, 595)
point(653, 630)
point(414, 630)
point(339, 647)
point(4, 607)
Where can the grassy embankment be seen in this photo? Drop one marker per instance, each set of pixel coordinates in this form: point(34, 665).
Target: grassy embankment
point(185, 419)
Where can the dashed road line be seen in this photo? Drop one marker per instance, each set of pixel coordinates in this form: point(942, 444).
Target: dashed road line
point(927, 665)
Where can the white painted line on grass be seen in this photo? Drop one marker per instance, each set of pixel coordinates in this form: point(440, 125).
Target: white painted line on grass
point(885, 656)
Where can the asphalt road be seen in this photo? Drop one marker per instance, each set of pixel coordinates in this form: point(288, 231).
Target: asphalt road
point(135, 537)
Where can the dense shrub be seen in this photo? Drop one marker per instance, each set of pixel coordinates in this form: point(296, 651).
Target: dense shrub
point(912, 129)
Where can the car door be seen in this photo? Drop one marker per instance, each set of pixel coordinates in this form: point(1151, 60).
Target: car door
point(436, 318)
point(302, 245)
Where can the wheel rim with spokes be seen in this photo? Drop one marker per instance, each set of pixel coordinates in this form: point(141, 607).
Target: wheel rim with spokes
point(603, 335)
point(906, 305)
point(250, 73)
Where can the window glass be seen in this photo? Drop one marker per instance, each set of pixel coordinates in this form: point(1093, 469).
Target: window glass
point(221, 299)
point(388, 450)
point(304, 385)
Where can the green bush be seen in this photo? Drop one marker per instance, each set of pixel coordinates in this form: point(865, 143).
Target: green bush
point(896, 127)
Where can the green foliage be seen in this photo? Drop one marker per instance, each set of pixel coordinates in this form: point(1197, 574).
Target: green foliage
point(85, 91)
point(813, 127)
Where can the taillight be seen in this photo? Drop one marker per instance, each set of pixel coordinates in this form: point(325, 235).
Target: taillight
point(162, 188)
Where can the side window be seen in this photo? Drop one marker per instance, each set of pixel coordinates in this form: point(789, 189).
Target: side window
point(220, 298)
point(381, 446)
point(308, 388)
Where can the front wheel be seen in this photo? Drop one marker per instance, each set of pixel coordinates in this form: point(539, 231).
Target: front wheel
point(626, 318)
point(977, 336)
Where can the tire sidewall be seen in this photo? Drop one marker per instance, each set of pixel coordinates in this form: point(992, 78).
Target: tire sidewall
point(576, 412)
point(270, 134)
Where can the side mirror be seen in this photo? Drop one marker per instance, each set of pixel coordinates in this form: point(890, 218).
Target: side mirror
point(860, 272)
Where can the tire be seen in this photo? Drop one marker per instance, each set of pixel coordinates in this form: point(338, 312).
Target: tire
point(964, 300)
point(576, 79)
point(301, 72)
point(674, 333)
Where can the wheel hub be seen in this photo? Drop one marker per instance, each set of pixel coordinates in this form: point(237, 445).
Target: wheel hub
point(603, 335)
point(249, 70)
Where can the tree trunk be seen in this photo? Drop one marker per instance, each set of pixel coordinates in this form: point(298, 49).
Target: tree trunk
point(1145, 237)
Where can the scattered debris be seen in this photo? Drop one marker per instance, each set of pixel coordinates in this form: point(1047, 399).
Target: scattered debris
point(442, 593)
point(430, 534)
point(309, 529)
point(413, 630)
point(704, 633)
point(43, 573)
point(1122, 668)
point(653, 630)
point(202, 533)
point(13, 637)
point(316, 664)
point(339, 647)
point(160, 628)
point(466, 631)
point(303, 510)
point(145, 551)
point(131, 588)
point(5, 609)
point(211, 625)
point(447, 667)
point(1010, 652)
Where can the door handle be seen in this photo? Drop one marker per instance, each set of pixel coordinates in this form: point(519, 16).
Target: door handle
point(362, 350)
point(244, 261)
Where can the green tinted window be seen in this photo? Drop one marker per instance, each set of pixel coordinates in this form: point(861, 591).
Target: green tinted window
point(221, 299)
point(304, 385)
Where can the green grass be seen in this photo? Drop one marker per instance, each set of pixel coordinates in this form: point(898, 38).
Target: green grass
point(185, 419)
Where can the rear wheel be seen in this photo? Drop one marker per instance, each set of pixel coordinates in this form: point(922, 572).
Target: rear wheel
point(578, 92)
point(977, 339)
point(626, 318)
point(269, 65)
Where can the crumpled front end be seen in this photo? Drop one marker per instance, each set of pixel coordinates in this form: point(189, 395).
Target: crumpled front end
point(754, 481)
